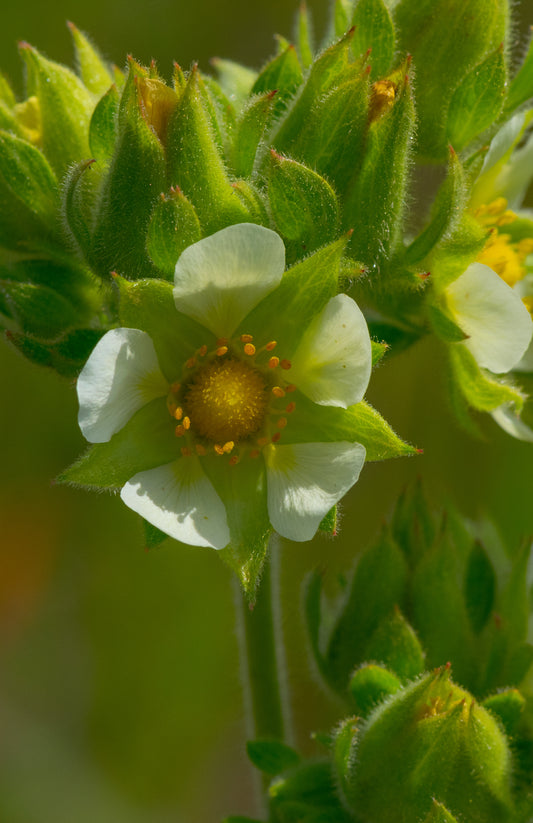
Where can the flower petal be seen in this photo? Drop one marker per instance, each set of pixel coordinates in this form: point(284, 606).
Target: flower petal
point(223, 277)
point(305, 480)
point(333, 362)
point(179, 500)
point(497, 323)
point(120, 377)
point(510, 422)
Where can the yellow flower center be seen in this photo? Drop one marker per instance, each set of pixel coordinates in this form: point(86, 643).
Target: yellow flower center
point(503, 255)
point(226, 401)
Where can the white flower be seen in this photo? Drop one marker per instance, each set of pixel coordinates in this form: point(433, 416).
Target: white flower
point(256, 395)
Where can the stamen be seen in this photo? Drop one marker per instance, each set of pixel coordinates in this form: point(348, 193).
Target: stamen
point(277, 391)
point(273, 362)
point(191, 363)
point(202, 351)
point(246, 338)
point(178, 414)
point(218, 449)
point(282, 422)
point(290, 388)
point(276, 437)
point(175, 387)
point(249, 349)
point(285, 364)
point(201, 451)
point(234, 460)
point(221, 351)
point(186, 423)
point(255, 453)
point(179, 431)
point(262, 441)
point(186, 451)
point(222, 341)
point(271, 345)
point(228, 447)
point(290, 407)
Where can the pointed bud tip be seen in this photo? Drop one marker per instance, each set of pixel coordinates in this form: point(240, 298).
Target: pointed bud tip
point(419, 451)
point(23, 45)
point(72, 27)
point(452, 151)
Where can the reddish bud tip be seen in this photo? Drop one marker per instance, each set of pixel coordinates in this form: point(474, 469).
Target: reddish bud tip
point(272, 93)
point(23, 44)
point(419, 451)
point(334, 533)
point(114, 274)
point(409, 59)
point(274, 154)
point(368, 69)
point(9, 334)
point(423, 275)
point(350, 32)
point(71, 26)
point(452, 150)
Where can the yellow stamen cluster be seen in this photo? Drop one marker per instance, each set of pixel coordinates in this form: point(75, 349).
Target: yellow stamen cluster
point(503, 255)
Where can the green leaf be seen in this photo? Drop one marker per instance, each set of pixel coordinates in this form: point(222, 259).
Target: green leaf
point(443, 325)
point(377, 587)
point(271, 756)
point(447, 210)
point(447, 40)
point(394, 644)
point(103, 129)
point(304, 35)
point(521, 86)
point(477, 101)
point(479, 587)
point(92, 68)
point(250, 129)
point(307, 793)
point(135, 179)
point(235, 80)
point(327, 71)
point(375, 199)
point(329, 523)
point(282, 74)
point(195, 163)
point(145, 442)
point(374, 30)
point(174, 226)
point(149, 305)
point(331, 141)
point(370, 685)
point(303, 205)
point(65, 105)
point(481, 390)
point(304, 290)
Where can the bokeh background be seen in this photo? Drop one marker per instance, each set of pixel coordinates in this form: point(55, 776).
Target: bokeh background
point(120, 697)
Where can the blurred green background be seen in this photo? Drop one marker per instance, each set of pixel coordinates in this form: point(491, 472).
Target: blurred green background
point(120, 697)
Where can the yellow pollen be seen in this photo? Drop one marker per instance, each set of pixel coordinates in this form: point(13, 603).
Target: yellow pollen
point(226, 401)
point(219, 450)
point(246, 338)
point(221, 351)
point(249, 349)
point(271, 345)
point(186, 451)
point(273, 362)
point(528, 303)
point(285, 364)
point(186, 423)
point(277, 391)
point(228, 447)
point(178, 413)
point(290, 407)
point(504, 257)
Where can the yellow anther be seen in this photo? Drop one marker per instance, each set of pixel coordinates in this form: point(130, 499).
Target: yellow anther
point(178, 414)
point(246, 338)
point(255, 453)
point(228, 447)
point(179, 431)
point(282, 422)
point(249, 349)
point(525, 246)
point(201, 451)
point(234, 460)
point(273, 363)
point(276, 437)
point(186, 423)
point(186, 451)
point(191, 363)
point(290, 388)
point(221, 351)
point(506, 218)
point(202, 351)
point(277, 391)
point(497, 206)
point(262, 441)
point(218, 449)
point(285, 364)
point(290, 407)
point(271, 345)
point(175, 387)
point(171, 406)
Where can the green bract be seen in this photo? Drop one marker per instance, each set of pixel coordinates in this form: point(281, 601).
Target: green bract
point(216, 413)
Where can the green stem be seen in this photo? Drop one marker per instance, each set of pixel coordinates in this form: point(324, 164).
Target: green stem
point(262, 664)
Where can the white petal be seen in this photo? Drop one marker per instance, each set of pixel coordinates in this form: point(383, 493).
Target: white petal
point(220, 279)
point(333, 361)
point(120, 377)
point(179, 500)
point(510, 422)
point(497, 323)
point(305, 480)
point(502, 141)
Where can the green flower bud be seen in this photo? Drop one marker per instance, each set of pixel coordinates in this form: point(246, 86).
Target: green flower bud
point(430, 741)
point(370, 685)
